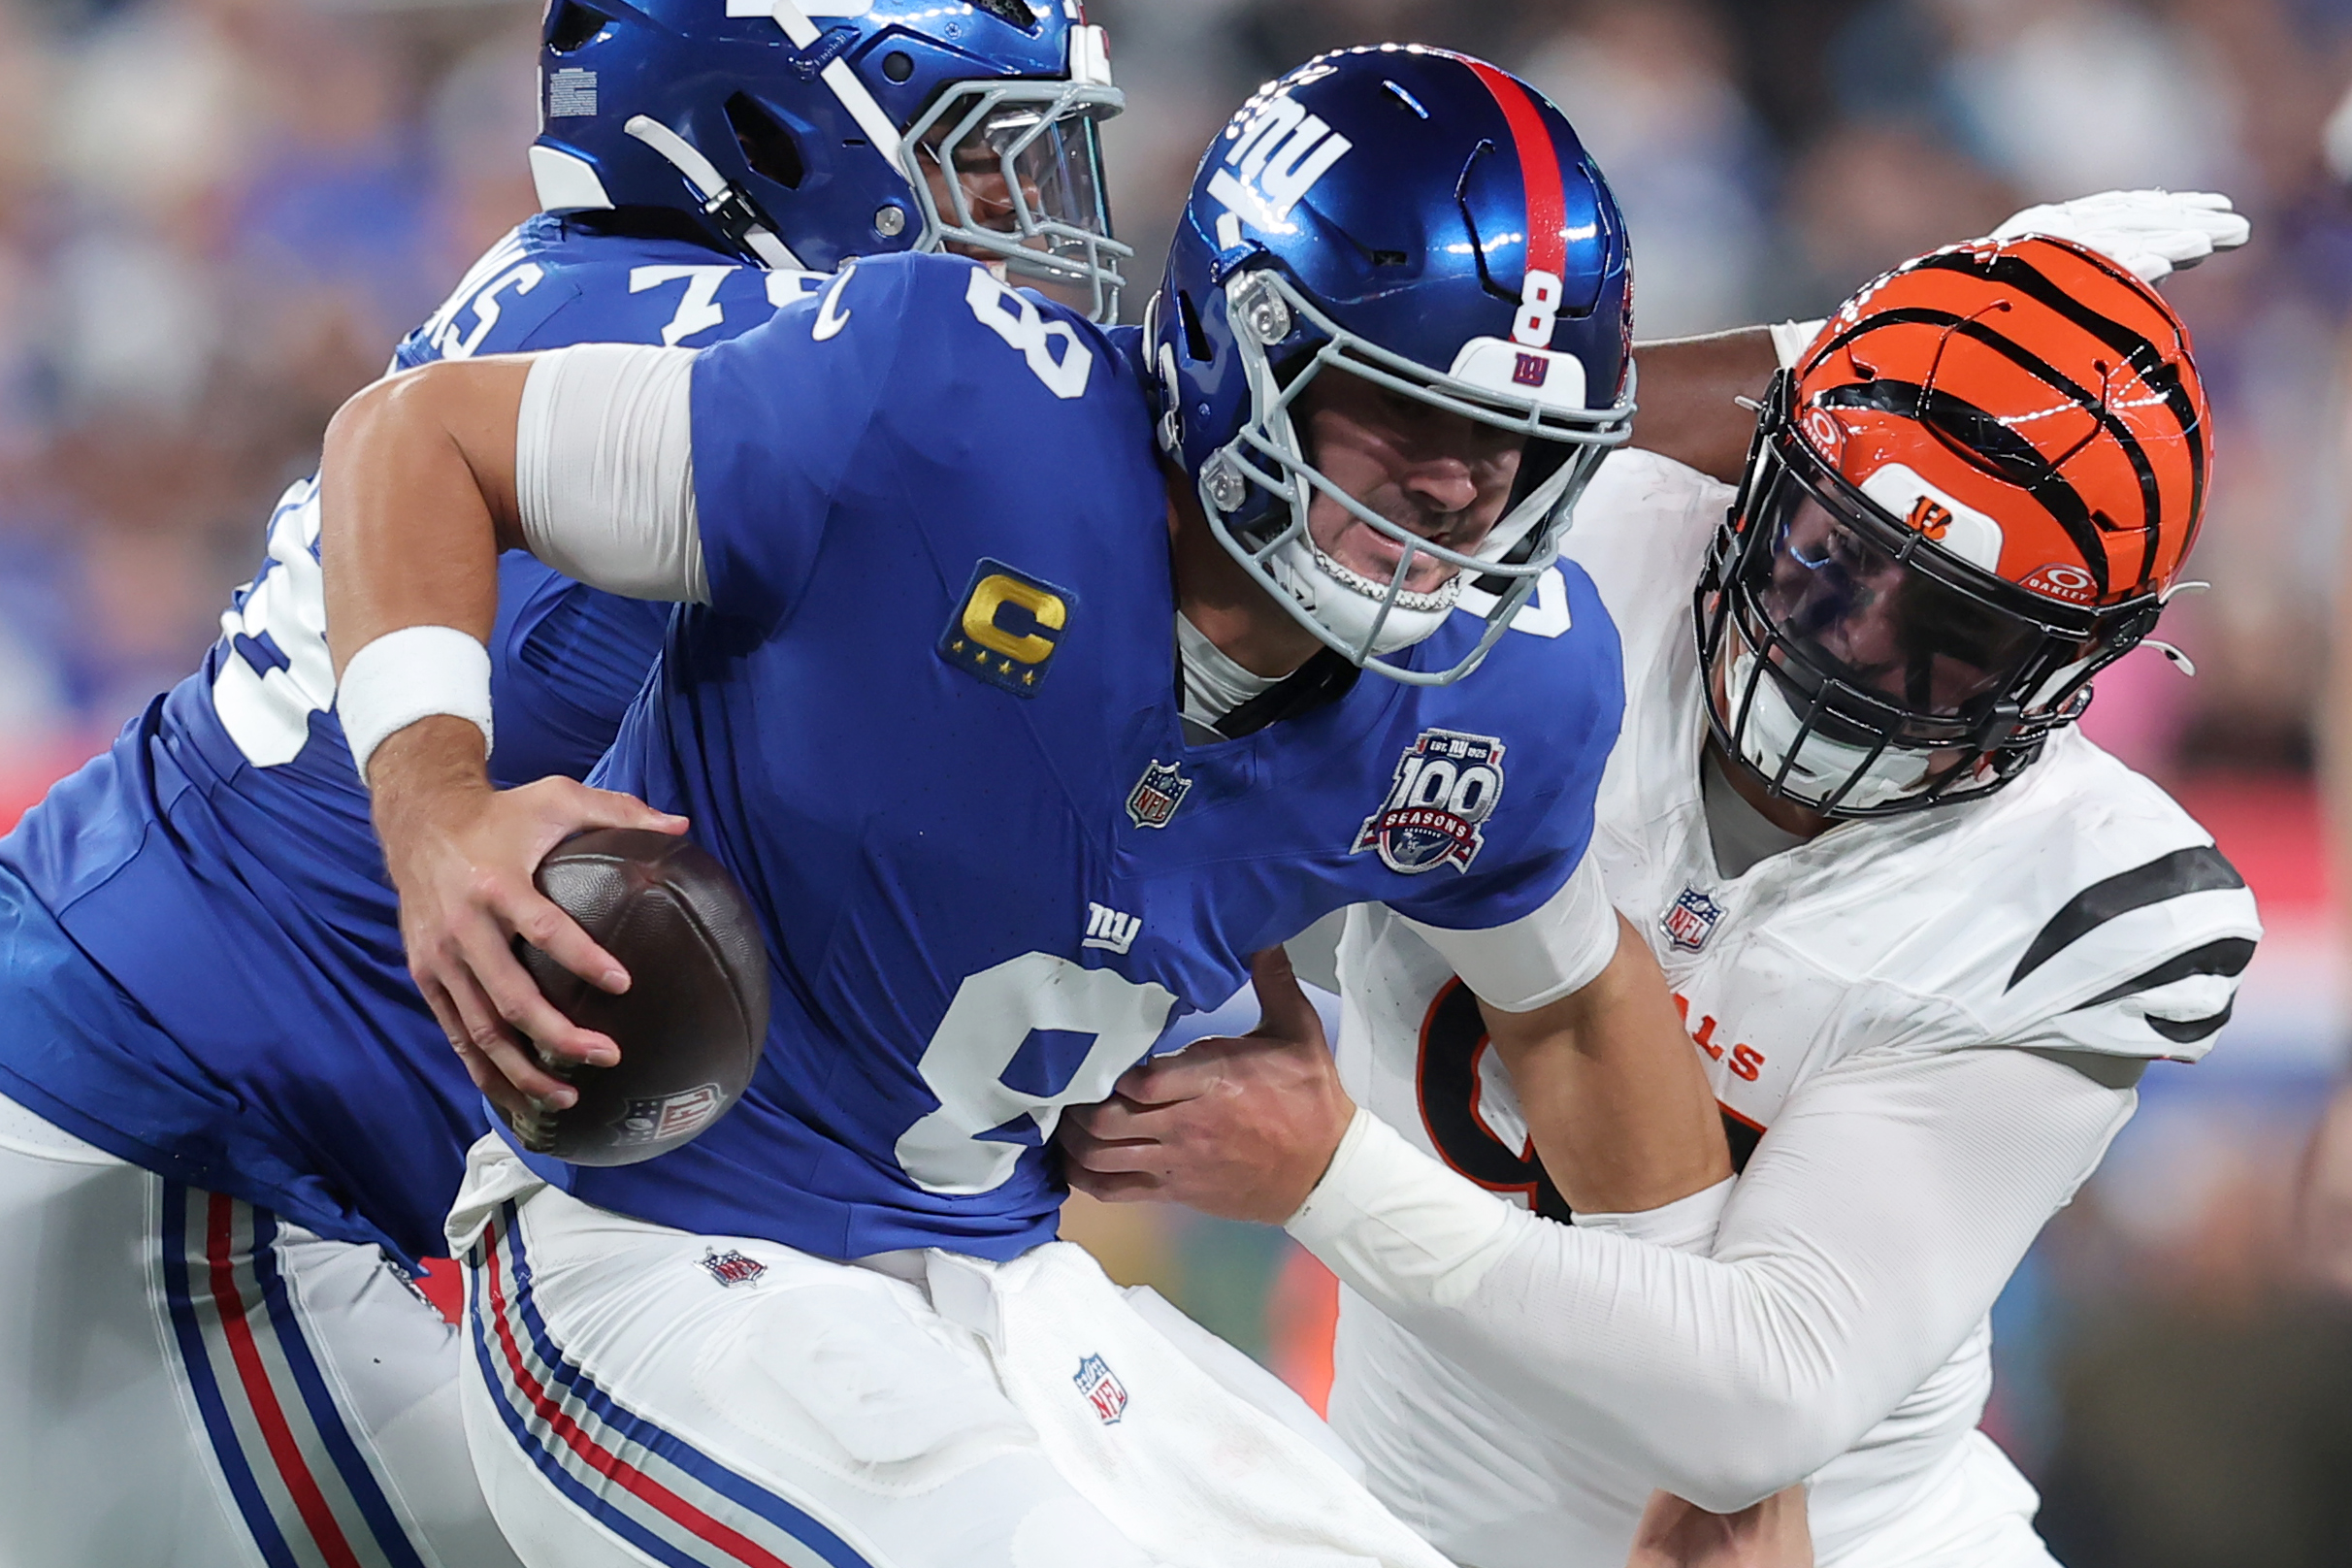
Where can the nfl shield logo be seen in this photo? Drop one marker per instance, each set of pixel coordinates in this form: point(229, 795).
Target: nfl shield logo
point(732, 1267)
point(682, 1113)
point(1691, 920)
point(1157, 795)
point(1102, 1389)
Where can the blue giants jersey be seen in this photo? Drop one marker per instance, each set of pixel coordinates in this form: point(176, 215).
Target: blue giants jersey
point(210, 893)
point(929, 718)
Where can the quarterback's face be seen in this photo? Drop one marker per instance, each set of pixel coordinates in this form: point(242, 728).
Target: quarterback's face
point(1438, 474)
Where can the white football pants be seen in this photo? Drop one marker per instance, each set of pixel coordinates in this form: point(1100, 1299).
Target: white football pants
point(638, 1394)
point(186, 1380)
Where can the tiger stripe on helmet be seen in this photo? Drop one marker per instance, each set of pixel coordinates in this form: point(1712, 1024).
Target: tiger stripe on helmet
point(1999, 446)
point(2113, 452)
point(2137, 345)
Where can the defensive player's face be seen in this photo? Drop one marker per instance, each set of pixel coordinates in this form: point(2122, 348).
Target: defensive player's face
point(1888, 629)
point(1438, 474)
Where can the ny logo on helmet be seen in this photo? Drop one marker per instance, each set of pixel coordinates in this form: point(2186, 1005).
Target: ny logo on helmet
point(1277, 158)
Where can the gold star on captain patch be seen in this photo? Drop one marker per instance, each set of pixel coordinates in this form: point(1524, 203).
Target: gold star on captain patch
point(1029, 678)
point(1004, 665)
point(956, 646)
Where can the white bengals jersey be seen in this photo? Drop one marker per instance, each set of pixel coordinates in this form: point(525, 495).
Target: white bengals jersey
point(2079, 910)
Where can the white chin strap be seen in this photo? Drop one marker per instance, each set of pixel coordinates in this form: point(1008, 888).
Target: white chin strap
point(1347, 603)
point(1822, 766)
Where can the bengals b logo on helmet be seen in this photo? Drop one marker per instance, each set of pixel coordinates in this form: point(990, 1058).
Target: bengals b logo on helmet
point(2039, 384)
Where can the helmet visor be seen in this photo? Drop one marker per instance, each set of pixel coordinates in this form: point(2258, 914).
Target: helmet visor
point(1838, 605)
point(1859, 668)
point(1011, 171)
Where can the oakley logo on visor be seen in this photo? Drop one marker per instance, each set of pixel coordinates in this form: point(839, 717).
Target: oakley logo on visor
point(2058, 580)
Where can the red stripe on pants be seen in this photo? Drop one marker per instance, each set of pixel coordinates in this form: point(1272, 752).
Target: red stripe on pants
point(594, 1454)
point(309, 1501)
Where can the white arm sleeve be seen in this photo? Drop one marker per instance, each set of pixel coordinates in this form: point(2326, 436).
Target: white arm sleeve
point(604, 469)
point(1869, 1235)
point(1688, 1224)
point(1542, 956)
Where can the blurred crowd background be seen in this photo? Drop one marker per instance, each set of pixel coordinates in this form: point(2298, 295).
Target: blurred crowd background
point(217, 216)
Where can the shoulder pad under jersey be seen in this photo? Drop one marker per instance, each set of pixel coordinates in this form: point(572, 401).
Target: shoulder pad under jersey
point(2124, 931)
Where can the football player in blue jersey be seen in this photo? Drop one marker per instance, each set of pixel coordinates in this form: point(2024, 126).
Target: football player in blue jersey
point(223, 1109)
point(1017, 766)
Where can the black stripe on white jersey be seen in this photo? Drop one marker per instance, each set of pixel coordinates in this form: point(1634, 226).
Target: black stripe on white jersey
point(2189, 1031)
point(2199, 869)
point(2226, 956)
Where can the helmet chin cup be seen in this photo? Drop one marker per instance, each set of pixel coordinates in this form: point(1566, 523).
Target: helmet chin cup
point(1807, 767)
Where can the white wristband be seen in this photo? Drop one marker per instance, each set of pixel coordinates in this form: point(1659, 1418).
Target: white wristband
point(416, 673)
point(1790, 340)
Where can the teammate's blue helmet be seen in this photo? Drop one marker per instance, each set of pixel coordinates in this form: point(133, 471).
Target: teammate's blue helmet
point(1428, 222)
point(804, 132)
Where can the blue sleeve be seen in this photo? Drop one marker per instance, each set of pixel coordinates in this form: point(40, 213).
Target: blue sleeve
point(566, 661)
point(1570, 693)
point(786, 420)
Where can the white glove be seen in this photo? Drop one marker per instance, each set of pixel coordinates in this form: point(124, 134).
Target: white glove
point(2150, 232)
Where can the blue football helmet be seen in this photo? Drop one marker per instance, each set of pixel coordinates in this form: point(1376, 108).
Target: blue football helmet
point(806, 132)
point(1431, 224)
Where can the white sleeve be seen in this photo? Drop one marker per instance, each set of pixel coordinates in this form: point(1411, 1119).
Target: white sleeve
point(1688, 1224)
point(1542, 956)
point(1873, 1229)
point(604, 469)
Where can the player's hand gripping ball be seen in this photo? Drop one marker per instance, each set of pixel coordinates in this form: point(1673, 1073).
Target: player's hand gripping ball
point(691, 1025)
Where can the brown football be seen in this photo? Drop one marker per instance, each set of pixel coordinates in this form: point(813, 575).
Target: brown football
point(692, 1023)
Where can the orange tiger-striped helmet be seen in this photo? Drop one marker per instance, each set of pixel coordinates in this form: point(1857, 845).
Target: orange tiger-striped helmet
point(1972, 493)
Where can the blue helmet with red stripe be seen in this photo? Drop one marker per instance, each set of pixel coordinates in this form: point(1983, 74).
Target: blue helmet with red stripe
point(806, 132)
point(1431, 224)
